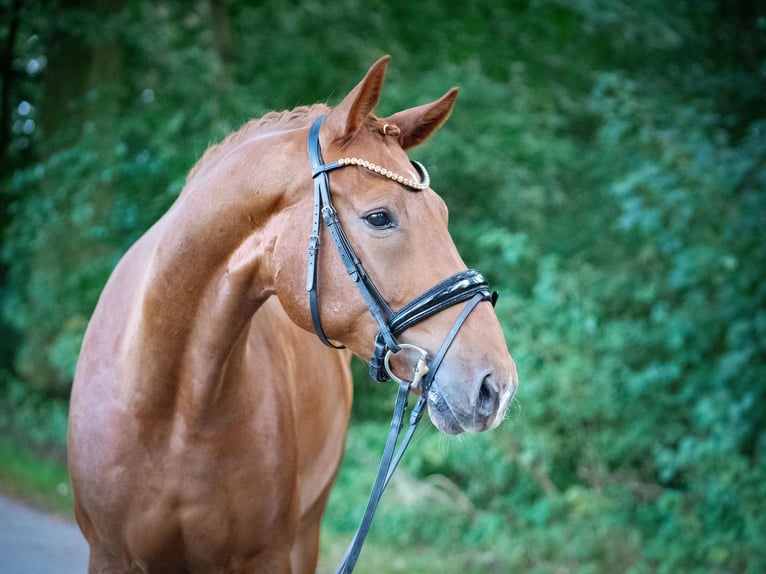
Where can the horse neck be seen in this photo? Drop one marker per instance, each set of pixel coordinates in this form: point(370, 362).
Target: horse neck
point(208, 274)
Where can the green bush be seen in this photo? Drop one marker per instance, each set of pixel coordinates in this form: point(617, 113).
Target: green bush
point(605, 167)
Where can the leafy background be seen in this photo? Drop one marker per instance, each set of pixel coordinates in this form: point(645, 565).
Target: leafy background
point(605, 166)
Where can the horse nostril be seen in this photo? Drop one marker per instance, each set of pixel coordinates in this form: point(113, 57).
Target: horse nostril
point(486, 401)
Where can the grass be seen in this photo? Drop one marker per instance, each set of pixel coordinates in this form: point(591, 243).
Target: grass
point(385, 559)
point(26, 476)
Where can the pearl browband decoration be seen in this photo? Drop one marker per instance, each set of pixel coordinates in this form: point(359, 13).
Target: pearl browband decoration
point(417, 186)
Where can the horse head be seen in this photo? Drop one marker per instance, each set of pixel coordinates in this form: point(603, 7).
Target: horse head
point(397, 227)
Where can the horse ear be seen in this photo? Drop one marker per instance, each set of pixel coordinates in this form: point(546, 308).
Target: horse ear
point(416, 124)
point(348, 116)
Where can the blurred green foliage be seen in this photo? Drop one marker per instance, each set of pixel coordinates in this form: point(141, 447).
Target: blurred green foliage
point(605, 167)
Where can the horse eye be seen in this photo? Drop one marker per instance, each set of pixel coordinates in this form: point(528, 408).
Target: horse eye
point(379, 220)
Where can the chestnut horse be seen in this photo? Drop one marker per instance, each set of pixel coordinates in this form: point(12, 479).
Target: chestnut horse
point(207, 420)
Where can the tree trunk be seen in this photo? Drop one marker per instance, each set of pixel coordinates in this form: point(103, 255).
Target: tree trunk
point(6, 72)
point(78, 64)
point(221, 31)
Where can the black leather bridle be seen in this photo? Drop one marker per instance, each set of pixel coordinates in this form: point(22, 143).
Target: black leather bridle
point(455, 289)
point(466, 286)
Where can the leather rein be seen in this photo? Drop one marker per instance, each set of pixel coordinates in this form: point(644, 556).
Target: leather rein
point(466, 286)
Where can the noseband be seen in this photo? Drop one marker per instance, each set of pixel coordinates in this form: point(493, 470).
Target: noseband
point(468, 285)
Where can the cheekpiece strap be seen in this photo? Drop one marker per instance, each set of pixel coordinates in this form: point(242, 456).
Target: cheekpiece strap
point(325, 212)
point(321, 188)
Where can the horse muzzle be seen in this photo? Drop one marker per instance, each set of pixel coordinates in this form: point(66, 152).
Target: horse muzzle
point(483, 408)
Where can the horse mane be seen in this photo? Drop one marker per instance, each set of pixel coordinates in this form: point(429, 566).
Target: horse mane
point(269, 123)
point(272, 121)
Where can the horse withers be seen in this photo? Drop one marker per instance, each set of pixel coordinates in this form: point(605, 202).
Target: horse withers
point(207, 419)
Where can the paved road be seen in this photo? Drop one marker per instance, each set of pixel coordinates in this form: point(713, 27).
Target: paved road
point(32, 542)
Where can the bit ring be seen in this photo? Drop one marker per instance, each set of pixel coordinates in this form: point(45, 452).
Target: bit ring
point(421, 368)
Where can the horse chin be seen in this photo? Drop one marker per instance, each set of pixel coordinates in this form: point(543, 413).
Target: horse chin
point(441, 414)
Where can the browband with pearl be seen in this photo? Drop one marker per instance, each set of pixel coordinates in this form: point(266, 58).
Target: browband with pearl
point(417, 186)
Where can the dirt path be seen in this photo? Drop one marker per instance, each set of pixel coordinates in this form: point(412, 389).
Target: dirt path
point(32, 542)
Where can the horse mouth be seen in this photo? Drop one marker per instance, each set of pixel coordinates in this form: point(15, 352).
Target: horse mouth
point(441, 414)
point(482, 414)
